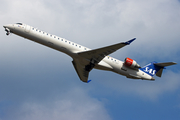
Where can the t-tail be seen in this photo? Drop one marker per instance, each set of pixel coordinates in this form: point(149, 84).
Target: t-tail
point(156, 68)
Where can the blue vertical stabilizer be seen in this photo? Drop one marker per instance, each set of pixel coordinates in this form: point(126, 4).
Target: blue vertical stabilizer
point(156, 68)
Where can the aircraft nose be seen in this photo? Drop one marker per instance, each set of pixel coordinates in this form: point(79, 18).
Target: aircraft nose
point(5, 26)
point(8, 26)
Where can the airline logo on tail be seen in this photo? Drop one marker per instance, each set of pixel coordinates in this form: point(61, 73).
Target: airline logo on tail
point(150, 71)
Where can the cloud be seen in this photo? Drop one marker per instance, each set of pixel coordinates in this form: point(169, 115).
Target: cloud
point(74, 104)
point(97, 23)
point(148, 90)
point(155, 23)
point(39, 83)
point(116, 21)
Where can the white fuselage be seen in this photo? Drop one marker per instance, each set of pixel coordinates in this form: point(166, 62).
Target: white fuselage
point(71, 49)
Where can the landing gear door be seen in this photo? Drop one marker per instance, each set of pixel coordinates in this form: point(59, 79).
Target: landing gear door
point(27, 28)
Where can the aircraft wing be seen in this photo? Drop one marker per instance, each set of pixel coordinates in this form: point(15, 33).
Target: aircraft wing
point(98, 54)
point(95, 56)
point(81, 71)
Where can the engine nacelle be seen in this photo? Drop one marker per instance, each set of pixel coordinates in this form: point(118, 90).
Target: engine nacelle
point(131, 63)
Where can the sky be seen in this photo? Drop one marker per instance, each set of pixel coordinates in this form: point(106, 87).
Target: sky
point(37, 82)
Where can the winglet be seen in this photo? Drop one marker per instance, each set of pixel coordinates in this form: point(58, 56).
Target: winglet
point(89, 81)
point(130, 41)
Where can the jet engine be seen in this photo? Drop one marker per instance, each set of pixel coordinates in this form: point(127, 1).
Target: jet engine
point(131, 63)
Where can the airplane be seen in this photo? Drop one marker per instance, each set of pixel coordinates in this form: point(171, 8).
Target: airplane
point(85, 59)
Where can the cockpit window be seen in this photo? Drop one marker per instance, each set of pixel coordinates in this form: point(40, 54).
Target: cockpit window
point(19, 23)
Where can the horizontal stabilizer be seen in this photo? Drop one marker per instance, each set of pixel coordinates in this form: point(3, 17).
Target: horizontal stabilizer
point(162, 66)
point(165, 64)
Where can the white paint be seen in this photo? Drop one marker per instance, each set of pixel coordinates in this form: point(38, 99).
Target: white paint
point(72, 49)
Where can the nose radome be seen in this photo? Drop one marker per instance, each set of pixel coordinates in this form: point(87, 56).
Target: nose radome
point(5, 26)
point(8, 26)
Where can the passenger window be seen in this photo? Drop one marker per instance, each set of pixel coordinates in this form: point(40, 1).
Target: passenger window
point(61, 39)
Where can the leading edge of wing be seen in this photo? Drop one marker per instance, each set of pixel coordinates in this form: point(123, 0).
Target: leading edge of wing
point(98, 54)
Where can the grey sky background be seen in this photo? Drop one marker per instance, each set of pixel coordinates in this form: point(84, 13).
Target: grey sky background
point(40, 83)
